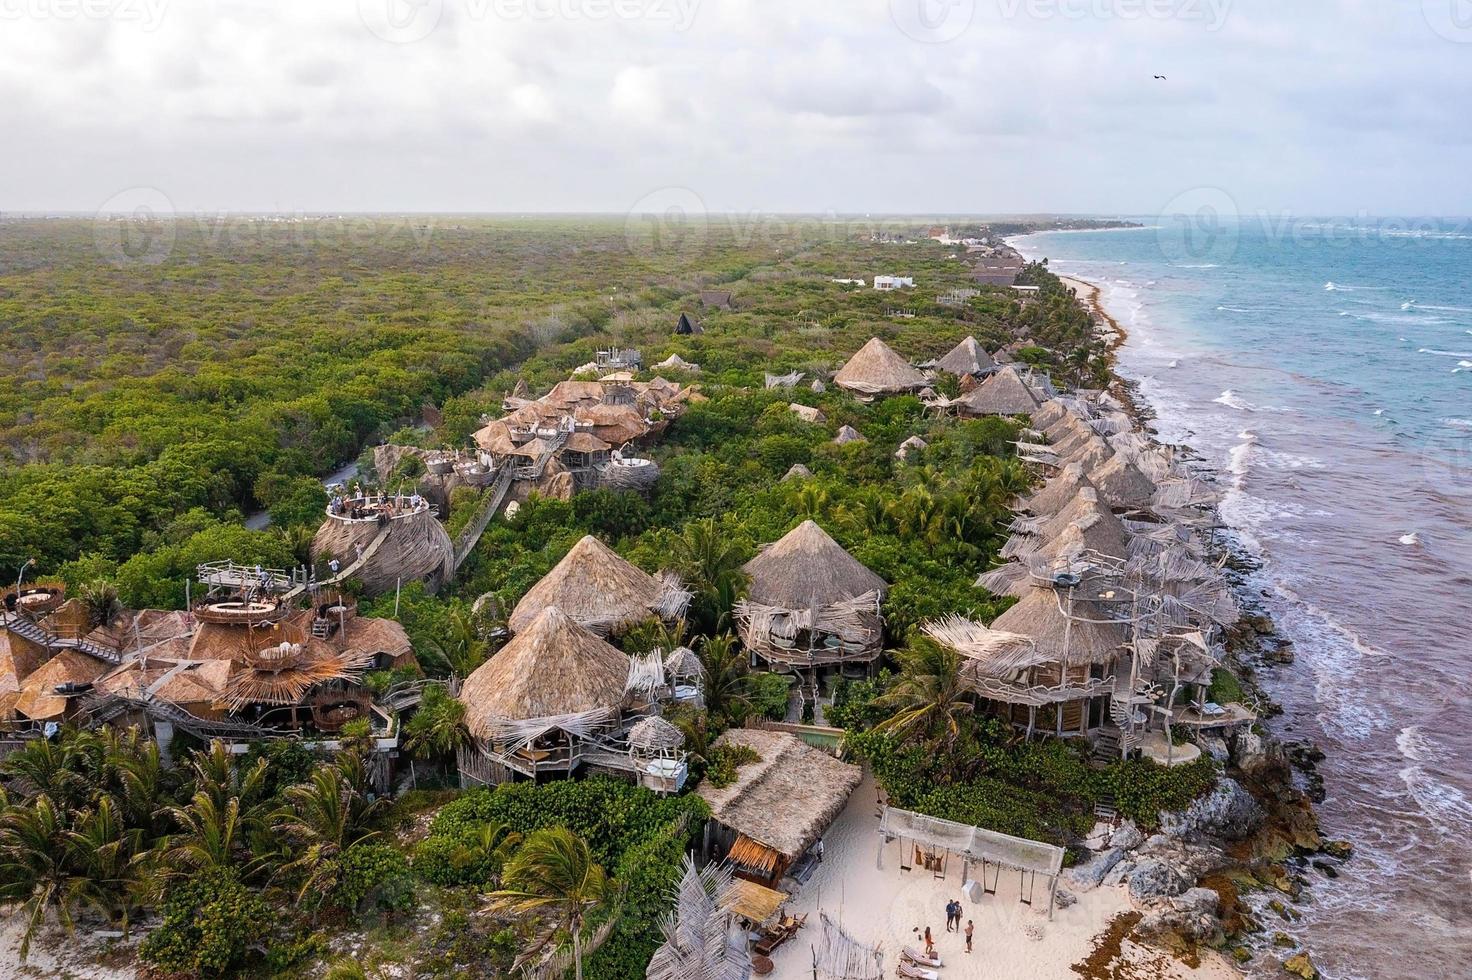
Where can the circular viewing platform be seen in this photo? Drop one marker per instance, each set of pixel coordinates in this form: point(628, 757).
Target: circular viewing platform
point(37, 600)
point(285, 656)
point(370, 510)
point(240, 612)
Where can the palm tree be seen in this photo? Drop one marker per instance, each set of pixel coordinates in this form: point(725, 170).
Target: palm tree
point(107, 855)
point(727, 678)
point(554, 876)
point(489, 847)
point(224, 813)
point(464, 647)
point(42, 767)
point(929, 699)
point(323, 818)
point(35, 868)
point(710, 561)
point(100, 597)
point(298, 539)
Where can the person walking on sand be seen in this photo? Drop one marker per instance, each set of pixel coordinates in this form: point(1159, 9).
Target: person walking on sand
point(970, 928)
point(929, 943)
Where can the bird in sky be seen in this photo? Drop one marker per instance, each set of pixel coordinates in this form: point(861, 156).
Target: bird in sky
point(1160, 77)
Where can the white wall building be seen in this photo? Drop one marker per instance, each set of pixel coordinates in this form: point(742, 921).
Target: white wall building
point(886, 283)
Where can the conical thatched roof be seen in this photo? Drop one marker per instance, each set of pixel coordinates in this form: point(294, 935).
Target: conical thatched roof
point(1121, 484)
point(967, 357)
point(1057, 639)
point(38, 699)
point(1090, 514)
point(797, 471)
point(1052, 411)
point(1004, 393)
point(551, 669)
point(684, 662)
point(654, 734)
point(1058, 492)
point(877, 369)
point(848, 434)
point(807, 569)
point(593, 585)
point(910, 445)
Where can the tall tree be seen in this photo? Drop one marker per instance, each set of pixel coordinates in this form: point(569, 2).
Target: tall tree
point(553, 876)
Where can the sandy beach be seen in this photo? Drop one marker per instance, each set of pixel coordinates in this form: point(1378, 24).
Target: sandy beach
point(861, 885)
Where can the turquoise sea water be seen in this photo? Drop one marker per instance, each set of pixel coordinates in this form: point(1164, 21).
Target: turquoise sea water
point(1325, 369)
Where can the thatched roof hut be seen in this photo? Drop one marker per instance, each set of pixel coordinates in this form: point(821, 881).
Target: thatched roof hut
point(777, 807)
point(797, 471)
point(1058, 492)
point(19, 658)
point(1004, 393)
point(877, 370)
point(1121, 484)
point(415, 545)
point(653, 735)
point(39, 699)
point(967, 357)
point(848, 434)
point(596, 587)
point(1054, 637)
point(910, 445)
point(552, 670)
point(807, 413)
point(807, 569)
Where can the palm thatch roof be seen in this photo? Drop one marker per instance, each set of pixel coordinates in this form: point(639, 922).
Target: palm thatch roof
point(848, 434)
point(910, 445)
point(1053, 637)
point(593, 585)
point(1058, 492)
point(19, 658)
point(1121, 484)
point(967, 357)
point(807, 569)
point(797, 471)
point(786, 800)
point(1004, 393)
point(552, 669)
point(38, 699)
point(877, 369)
point(807, 412)
point(654, 734)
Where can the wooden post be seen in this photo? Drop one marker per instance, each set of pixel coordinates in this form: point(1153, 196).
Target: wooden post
point(1052, 890)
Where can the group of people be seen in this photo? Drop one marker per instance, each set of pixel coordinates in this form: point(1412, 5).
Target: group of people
point(953, 924)
point(357, 507)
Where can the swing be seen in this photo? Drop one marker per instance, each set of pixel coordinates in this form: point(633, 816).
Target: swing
point(1031, 877)
point(939, 867)
point(990, 888)
point(904, 853)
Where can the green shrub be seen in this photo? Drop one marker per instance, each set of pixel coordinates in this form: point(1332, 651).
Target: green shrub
point(375, 878)
point(768, 694)
point(210, 922)
point(724, 760)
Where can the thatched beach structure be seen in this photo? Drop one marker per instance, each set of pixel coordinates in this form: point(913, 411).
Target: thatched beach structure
point(541, 700)
point(877, 370)
point(810, 603)
point(966, 358)
point(1003, 393)
point(601, 591)
point(777, 807)
point(385, 541)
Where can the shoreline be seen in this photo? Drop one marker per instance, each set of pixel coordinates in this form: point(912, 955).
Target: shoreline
point(1291, 830)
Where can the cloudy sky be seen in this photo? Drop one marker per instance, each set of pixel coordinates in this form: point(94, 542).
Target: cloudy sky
point(918, 106)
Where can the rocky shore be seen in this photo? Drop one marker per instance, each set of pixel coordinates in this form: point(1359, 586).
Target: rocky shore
point(1231, 871)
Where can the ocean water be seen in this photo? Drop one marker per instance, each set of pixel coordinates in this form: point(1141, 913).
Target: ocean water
point(1325, 369)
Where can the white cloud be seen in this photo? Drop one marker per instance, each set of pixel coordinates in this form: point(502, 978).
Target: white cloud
point(251, 104)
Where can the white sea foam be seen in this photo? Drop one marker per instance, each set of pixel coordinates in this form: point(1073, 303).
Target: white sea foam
point(1411, 538)
point(1443, 353)
point(1458, 423)
point(1200, 265)
point(1237, 309)
point(1230, 399)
